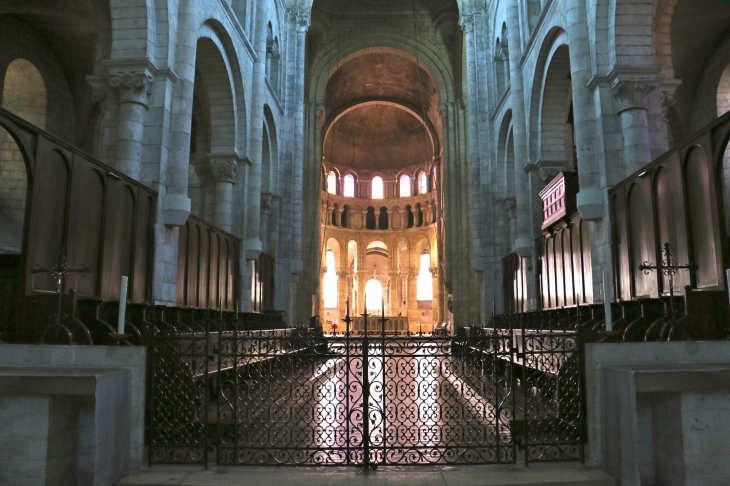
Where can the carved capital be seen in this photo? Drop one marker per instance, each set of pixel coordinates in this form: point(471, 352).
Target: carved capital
point(99, 87)
point(223, 167)
point(631, 85)
point(546, 175)
point(510, 207)
point(466, 22)
point(133, 87)
point(304, 20)
point(343, 274)
point(668, 89)
point(434, 271)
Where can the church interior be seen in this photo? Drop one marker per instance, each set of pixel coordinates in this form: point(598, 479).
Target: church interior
point(363, 233)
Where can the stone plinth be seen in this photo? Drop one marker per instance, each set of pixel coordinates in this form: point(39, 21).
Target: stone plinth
point(658, 411)
point(70, 414)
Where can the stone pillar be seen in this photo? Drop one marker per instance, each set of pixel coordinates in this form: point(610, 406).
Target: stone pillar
point(338, 215)
point(223, 168)
point(133, 90)
point(522, 234)
point(252, 244)
point(265, 218)
point(394, 304)
point(389, 214)
point(631, 91)
point(590, 199)
point(363, 222)
point(413, 315)
point(362, 277)
point(436, 306)
point(342, 295)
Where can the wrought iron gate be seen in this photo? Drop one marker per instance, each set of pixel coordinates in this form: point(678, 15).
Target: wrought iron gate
point(295, 397)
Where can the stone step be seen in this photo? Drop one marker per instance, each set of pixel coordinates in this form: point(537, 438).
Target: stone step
point(510, 475)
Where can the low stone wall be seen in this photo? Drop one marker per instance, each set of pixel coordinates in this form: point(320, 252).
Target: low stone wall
point(672, 421)
point(126, 365)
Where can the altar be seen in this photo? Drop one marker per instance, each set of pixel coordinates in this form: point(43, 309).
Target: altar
point(393, 325)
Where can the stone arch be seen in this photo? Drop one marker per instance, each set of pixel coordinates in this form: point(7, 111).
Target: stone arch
point(723, 92)
point(556, 40)
point(427, 55)
point(24, 94)
point(207, 26)
point(413, 111)
point(505, 158)
point(270, 154)
point(213, 73)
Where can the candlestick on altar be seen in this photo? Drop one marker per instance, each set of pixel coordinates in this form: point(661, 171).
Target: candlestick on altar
point(122, 305)
point(727, 273)
point(607, 300)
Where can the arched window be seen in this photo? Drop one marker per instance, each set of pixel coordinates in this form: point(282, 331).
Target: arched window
point(374, 295)
point(330, 282)
point(405, 186)
point(377, 187)
point(332, 182)
point(422, 183)
point(349, 186)
point(424, 286)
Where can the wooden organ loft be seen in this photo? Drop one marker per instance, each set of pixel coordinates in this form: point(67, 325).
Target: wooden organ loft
point(96, 217)
point(680, 198)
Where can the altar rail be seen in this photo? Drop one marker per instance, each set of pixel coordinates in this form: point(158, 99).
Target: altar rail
point(393, 325)
point(78, 206)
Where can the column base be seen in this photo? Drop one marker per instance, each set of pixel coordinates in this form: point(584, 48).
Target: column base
point(590, 204)
point(175, 209)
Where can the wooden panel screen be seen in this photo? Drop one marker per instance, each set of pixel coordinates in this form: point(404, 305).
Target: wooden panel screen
point(78, 207)
point(262, 284)
point(207, 271)
point(678, 199)
point(565, 265)
point(514, 273)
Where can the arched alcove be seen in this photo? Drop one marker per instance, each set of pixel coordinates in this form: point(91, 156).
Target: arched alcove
point(24, 94)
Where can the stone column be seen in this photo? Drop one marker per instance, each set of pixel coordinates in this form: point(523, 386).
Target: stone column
point(363, 221)
point(413, 316)
point(590, 199)
point(342, 294)
point(133, 90)
point(338, 215)
point(252, 244)
point(631, 91)
point(436, 306)
point(265, 218)
point(362, 277)
point(223, 168)
point(389, 214)
point(393, 305)
point(522, 236)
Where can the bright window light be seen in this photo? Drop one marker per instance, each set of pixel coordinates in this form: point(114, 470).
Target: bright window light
point(332, 183)
point(405, 186)
point(377, 187)
point(349, 186)
point(330, 282)
point(424, 286)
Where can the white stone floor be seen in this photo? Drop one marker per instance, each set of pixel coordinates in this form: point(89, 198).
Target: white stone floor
point(512, 475)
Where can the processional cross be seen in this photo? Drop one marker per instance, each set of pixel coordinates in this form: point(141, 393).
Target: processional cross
point(59, 272)
point(669, 268)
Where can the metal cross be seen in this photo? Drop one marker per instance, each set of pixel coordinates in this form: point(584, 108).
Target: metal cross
point(59, 272)
point(669, 268)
